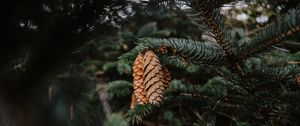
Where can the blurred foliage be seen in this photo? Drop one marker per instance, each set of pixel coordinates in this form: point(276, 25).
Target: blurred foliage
point(116, 119)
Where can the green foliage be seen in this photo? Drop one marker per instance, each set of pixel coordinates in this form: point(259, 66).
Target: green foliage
point(147, 30)
point(173, 121)
point(120, 66)
point(137, 114)
point(216, 23)
point(116, 119)
point(215, 87)
point(247, 91)
point(185, 51)
point(242, 124)
point(276, 72)
point(119, 88)
point(273, 33)
point(178, 86)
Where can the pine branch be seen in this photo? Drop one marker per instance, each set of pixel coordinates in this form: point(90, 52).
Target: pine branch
point(273, 33)
point(214, 90)
point(222, 35)
point(182, 51)
point(276, 73)
point(212, 17)
point(216, 87)
point(136, 115)
point(118, 88)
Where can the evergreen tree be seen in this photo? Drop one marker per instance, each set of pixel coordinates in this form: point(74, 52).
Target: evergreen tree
point(233, 81)
point(71, 63)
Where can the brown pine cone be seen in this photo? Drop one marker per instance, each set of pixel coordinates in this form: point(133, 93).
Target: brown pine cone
point(157, 78)
point(138, 78)
point(155, 93)
point(151, 79)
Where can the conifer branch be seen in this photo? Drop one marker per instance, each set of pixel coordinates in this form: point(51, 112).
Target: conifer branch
point(118, 88)
point(215, 22)
point(136, 115)
point(216, 87)
point(221, 33)
point(276, 72)
point(273, 33)
point(184, 50)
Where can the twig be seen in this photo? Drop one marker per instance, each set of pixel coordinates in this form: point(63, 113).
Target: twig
point(100, 86)
point(293, 62)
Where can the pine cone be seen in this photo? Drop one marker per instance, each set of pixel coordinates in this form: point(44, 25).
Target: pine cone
point(138, 78)
point(150, 81)
point(157, 78)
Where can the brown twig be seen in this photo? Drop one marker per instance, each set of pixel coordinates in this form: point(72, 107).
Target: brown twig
point(103, 96)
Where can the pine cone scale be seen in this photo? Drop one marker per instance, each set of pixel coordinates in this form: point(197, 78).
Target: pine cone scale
point(151, 82)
